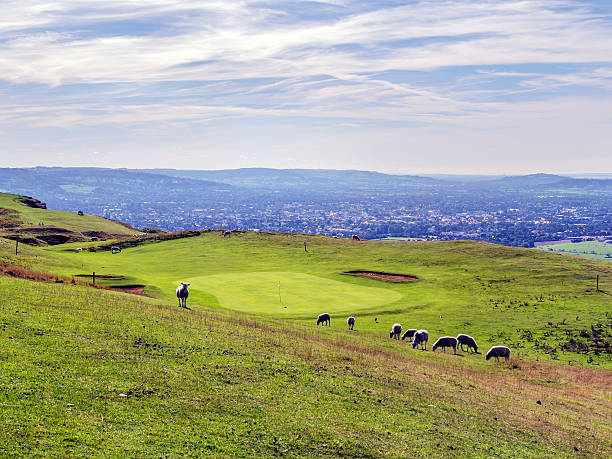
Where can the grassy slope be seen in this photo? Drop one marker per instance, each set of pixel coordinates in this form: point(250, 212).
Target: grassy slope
point(215, 382)
point(500, 295)
point(61, 219)
point(596, 250)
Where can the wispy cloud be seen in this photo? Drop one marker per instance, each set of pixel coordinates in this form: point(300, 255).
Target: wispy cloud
point(465, 64)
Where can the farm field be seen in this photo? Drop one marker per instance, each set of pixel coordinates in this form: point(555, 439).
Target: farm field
point(397, 238)
point(596, 250)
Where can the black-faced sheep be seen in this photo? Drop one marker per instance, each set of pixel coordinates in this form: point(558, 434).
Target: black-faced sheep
point(444, 342)
point(467, 340)
point(396, 331)
point(324, 319)
point(182, 292)
point(351, 322)
point(497, 352)
point(409, 334)
point(420, 337)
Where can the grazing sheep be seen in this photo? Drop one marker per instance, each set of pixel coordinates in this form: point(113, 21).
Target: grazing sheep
point(227, 234)
point(420, 337)
point(182, 292)
point(497, 352)
point(396, 331)
point(409, 334)
point(115, 249)
point(324, 319)
point(467, 340)
point(444, 342)
point(356, 238)
point(351, 322)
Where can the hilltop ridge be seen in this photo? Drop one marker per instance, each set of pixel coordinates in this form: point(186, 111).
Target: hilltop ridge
point(28, 219)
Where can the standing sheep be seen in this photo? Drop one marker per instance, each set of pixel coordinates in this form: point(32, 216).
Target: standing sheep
point(351, 322)
point(420, 337)
point(396, 331)
point(467, 340)
point(324, 319)
point(444, 342)
point(182, 292)
point(227, 233)
point(497, 352)
point(409, 334)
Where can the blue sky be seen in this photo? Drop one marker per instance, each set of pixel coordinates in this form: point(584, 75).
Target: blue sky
point(396, 86)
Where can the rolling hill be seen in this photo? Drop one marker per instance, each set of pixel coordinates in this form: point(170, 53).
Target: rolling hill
point(246, 372)
point(29, 220)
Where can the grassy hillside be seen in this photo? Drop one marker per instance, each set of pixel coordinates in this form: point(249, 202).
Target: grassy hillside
point(39, 225)
point(90, 372)
point(543, 306)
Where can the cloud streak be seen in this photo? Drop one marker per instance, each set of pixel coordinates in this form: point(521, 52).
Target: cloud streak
point(459, 64)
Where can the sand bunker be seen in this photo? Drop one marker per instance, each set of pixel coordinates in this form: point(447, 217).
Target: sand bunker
point(384, 276)
point(134, 289)
point(101, 276)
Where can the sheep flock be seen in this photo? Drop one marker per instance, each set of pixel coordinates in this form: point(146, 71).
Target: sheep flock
point(420, 337)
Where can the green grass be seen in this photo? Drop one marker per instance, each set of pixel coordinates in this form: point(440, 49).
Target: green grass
point(300, 294)
point(30, 216)
point(596, 250)
point(87, 372)
point(91, 372)
point(398, 238)
point(543, 306)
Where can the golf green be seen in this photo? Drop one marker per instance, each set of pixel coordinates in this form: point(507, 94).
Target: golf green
point(299, 293)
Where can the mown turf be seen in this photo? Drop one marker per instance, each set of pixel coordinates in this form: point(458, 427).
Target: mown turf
point(88, 372)
point(543, 306)
point(287, 293)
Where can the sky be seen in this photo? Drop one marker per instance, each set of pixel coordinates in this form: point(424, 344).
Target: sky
point(492, 87)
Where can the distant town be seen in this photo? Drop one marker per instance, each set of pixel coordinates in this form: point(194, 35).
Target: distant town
point(533, 222)
point(519, 211)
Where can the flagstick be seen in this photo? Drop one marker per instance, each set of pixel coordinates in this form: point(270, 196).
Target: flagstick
point(280, 301)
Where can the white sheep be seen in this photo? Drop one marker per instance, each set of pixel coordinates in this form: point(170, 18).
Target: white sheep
point(467, 340)
point(444, 342)
point(396, 331)
point(182, 292)
point(497, 352)
point(409, 334)
point(351, 322)
point(324, 319)
point(420, 337)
